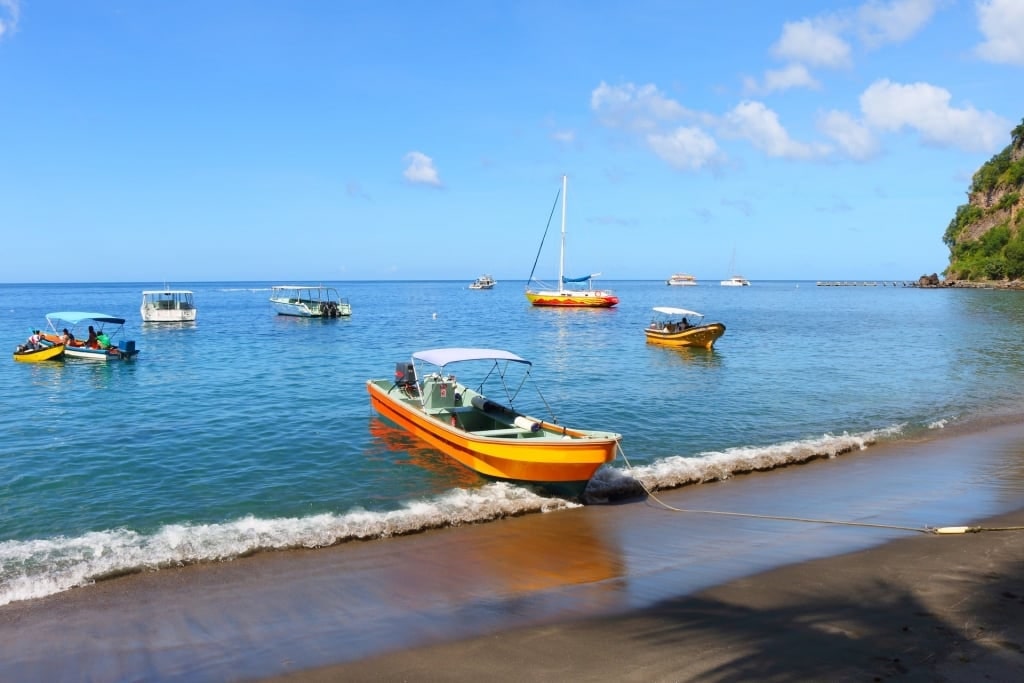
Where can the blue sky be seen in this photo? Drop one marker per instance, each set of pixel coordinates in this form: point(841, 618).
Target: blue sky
point(321, 140)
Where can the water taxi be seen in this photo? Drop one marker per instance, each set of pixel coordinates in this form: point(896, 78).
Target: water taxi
point(483, 282)
point(489, 437)
point(309, 301)
point(681, 280)
point(167, 306)
point(95, 336)
point(682, 327)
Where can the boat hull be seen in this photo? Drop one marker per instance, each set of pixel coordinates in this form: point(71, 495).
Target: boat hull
point(309, 310)
point(703, 336)
point(568, 299)
point(163, 315)
point(100, 355)
point(554, 457)
point(38, 355)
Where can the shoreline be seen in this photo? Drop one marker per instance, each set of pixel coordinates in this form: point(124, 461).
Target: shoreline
point(928, 608)
point(608, 588)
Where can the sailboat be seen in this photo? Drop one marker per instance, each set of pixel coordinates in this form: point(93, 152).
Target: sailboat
point(735, 280)
point(581, 293)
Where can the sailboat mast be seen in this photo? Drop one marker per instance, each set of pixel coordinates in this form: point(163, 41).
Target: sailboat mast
point(561, 253)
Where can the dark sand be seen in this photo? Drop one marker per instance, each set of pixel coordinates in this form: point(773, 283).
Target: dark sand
point(622, 592)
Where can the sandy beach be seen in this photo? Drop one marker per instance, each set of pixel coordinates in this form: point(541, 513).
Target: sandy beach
point(629, 591)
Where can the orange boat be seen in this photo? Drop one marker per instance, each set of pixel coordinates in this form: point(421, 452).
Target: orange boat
point(682, 327)
point(571, 292)
point(490, 438)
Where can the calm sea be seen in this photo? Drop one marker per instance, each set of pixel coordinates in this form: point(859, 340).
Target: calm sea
point(250, 431)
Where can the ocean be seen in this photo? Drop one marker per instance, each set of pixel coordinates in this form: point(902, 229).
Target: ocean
point(248, 431)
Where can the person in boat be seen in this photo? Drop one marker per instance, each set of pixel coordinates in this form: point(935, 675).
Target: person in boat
point(34, 341)
point(91, 341)
point(66, 338)
point(685, 324)
point(102, 340)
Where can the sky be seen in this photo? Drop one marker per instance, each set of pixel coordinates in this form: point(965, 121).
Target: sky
point(322, 140)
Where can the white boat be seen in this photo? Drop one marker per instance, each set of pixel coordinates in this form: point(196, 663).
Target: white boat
point(580, 293)
point(96, 336)
point(483, 282)
point(167, 306)
point(681, 280)
point(736, 281)
point(309, 301)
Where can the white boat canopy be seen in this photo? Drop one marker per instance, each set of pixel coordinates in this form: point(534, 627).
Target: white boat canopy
point(668, 310)
point(442, 357)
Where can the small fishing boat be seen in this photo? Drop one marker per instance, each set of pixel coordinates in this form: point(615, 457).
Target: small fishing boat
point(682, 327)
point(681, 280)
point(45, 350)
point(491, 438)
point(309, 301)
point(483, 282)
point(97, 336)
point(167, 306)
point(576, 292)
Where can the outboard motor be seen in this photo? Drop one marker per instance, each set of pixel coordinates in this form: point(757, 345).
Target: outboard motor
point(405, 374)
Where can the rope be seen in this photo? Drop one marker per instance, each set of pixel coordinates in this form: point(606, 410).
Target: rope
point(544, 237)
point(948, 530)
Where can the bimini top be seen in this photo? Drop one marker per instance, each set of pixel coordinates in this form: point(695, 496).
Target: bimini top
point(442, 357)
point(75, 317)
point(167, 291)
point(668, 310)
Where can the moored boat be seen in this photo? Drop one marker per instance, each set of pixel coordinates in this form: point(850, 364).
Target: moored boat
point(96, 336)
point(491, 438)
point(167, 306)
point(682, 327)
point(483, 282)
point(681, 280)
point(736, 281)
point(309, 301)
point(576, 292)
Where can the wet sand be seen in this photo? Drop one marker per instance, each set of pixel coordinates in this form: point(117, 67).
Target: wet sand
point(629, 591)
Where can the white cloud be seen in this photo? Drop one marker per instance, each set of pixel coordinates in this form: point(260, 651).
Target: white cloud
point(879, 23)
point(812, 41)
point(760, 125)
point(421, 170)
point(566, 137)
point(925, 108)
point(634, 107)
point(1002, 23)
point(852, 136)
point(12, 10)
point(777, 80)
point(687, 149)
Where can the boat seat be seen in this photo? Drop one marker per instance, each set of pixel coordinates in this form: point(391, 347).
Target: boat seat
point(510, 431)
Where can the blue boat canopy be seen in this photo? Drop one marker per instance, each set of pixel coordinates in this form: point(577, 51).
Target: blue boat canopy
point(580, 279)
point(75, 317)
point(442, 357)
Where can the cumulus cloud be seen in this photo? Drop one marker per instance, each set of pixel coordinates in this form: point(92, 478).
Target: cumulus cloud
point(879, 23)
point(926, 108)
point(852, 136)
point(1002, 24)
point(687, 149)
point(634, 107)
point(777, 80)
point(758, 124)
point(421, 170)
point(10, 10)
point(812, 41)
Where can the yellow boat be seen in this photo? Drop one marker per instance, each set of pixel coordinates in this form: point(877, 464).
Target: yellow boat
point(682, 327)
point(48, 351)
point(490, 438)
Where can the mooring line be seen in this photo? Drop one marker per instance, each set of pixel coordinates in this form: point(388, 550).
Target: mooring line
point(945, 530)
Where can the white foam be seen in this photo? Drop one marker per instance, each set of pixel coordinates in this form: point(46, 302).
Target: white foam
point(676, 471)
point(36, 568)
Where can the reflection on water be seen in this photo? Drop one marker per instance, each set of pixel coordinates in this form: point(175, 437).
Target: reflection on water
point(445, 472)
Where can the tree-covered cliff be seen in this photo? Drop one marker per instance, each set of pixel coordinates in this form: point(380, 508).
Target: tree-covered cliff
point(986, 237)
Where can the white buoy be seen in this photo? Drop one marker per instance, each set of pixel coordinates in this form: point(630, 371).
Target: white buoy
point(434, 316)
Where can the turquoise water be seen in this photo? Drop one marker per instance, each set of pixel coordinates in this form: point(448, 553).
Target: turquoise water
point(250, 431)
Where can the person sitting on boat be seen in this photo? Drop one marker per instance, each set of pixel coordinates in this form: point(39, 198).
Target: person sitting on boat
point(102, 340)
point(91, 341)
point(34, 341)
point(66, 338)
point(685, 324)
